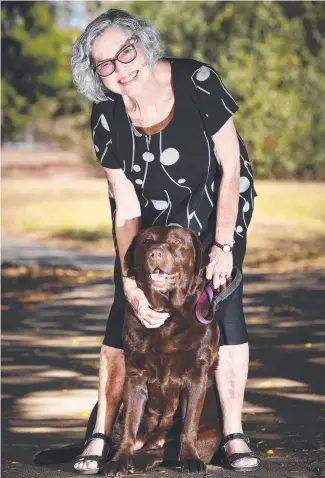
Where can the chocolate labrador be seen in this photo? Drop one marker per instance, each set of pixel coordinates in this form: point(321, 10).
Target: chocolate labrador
point(170, 402)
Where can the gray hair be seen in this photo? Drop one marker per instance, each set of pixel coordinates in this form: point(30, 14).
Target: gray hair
point(85, 78)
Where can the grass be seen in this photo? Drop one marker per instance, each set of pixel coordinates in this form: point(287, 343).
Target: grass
point(66, 210)
point(289, 218)
point(295, 202)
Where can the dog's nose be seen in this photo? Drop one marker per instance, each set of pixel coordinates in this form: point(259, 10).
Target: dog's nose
point(156, 254)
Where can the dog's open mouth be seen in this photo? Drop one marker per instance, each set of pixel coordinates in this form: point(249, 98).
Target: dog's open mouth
point(158, 275)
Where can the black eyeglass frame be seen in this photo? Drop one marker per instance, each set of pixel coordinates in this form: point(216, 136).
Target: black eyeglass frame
point(115, 59)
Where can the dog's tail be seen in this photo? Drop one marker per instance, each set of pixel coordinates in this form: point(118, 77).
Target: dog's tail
point(60, 454)
point(65, 454)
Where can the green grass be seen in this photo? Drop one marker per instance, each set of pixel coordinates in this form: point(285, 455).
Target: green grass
point(291, 201)
point(289, 217)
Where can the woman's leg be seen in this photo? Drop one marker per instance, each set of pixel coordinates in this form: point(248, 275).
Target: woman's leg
point(231, 376)
point(111, 381)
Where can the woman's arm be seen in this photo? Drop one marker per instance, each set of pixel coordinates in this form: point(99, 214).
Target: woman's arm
point(228, 156)
point(128, 212)
point(127, 224)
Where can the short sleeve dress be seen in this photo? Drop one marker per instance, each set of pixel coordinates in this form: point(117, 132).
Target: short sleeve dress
point(175, 172)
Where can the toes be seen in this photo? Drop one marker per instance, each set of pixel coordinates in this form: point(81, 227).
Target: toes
point(117, 468)
point(246, 462)
point(90, 465)
point(86, 465)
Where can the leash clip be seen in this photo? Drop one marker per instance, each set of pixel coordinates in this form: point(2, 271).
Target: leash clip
point(215, 299)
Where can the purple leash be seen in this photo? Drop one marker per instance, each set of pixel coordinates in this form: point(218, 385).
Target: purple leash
point(215, 299)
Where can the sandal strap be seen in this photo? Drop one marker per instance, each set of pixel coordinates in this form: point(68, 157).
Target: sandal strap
point(101, 436)
point(233, 436)
point(82, 459)
point(238, 456)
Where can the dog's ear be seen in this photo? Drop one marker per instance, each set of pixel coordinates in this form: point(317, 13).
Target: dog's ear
point(201, 258)
point(129, 258)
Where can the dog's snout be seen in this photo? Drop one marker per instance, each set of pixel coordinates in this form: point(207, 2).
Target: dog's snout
point(156, 254)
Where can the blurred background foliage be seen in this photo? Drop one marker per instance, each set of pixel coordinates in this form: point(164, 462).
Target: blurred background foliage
point(270, 55)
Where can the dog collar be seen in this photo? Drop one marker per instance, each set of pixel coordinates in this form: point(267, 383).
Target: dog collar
point(214, 298)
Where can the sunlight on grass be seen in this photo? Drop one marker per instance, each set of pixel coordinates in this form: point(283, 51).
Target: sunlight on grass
point(76, 212)
point(54, 207)
point(291, 201)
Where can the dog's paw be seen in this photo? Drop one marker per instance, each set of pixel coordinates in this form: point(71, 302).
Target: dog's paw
point(144, 462)
point(119, 467)
point(192, 465)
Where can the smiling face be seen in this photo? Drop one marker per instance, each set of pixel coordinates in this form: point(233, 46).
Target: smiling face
point(167, 256)
point(128, 78)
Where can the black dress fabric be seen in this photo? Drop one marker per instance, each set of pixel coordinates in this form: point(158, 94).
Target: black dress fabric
point(175, 172)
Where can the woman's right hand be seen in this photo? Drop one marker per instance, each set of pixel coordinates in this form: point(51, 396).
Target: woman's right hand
point(148, 317)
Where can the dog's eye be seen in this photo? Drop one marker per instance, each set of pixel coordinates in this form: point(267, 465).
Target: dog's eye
point(146, 240)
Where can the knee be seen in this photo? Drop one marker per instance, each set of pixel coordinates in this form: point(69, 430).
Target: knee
point(236, 355)
point(111, 355)
point(234, 349)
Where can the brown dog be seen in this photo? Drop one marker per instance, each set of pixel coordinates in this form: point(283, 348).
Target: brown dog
point(169, 369)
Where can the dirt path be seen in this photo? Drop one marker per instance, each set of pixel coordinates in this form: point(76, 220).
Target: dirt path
point(50, 359)
point(31, 252)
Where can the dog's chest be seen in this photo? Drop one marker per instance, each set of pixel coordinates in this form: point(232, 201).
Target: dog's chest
point(177, 356)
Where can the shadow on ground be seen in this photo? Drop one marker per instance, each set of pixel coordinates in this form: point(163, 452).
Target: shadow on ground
point(50, 360)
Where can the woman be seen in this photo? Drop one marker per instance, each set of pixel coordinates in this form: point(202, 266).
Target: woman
point(163, 131)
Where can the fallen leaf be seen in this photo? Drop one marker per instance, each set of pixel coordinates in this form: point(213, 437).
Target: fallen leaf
point(83, 413)
point(260, 442)
point(90, 363)
point(266, 384)
point(270, 452)
point(308, 345)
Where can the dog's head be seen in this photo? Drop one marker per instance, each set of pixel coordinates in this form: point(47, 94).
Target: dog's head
point(167, 258)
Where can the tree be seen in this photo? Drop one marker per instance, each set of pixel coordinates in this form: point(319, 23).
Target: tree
point(34, 61)
point(271, 57)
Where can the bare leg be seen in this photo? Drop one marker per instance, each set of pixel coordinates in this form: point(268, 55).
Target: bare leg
point(111, 382)
point(231, 376)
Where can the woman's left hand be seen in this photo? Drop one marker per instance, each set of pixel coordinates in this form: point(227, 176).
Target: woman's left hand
point(219, 268)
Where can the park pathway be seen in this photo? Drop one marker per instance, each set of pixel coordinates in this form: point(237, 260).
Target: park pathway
point(30, 252)
point(50, 359)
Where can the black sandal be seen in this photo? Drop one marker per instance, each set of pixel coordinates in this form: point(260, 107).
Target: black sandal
point(101, 459)
point(230, 459)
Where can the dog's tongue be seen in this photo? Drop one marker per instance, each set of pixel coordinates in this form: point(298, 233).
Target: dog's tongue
point(158, 274)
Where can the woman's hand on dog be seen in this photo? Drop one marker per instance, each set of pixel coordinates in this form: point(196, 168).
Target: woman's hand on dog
point(219, 268)
point(150, 318)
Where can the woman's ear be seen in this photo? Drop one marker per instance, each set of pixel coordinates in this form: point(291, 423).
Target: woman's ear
point(201, 258)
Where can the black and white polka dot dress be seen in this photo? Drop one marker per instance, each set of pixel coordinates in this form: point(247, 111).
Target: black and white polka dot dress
point(175, 172)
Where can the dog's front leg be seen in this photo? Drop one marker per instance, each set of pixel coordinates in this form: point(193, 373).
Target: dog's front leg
point(193, 396)
point(134, 399)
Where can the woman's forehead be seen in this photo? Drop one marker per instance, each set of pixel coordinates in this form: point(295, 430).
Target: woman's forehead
point(109, 43)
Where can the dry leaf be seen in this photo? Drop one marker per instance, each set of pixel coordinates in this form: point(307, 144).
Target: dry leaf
point(83, 413)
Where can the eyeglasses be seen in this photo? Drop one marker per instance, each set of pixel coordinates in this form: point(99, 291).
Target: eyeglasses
point(126, 55)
